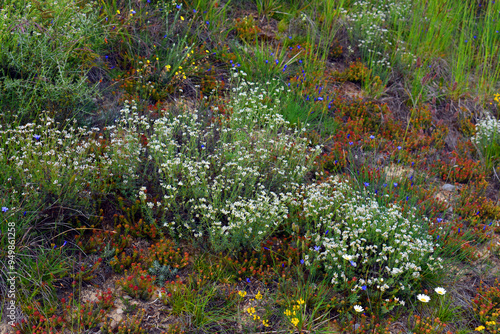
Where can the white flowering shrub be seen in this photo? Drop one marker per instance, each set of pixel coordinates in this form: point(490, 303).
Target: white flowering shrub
point(43, 165)
point(230, 179)
point(487, 138)
point(245, 222)
point(70, 165)
point(123, 152)
point(352, 236)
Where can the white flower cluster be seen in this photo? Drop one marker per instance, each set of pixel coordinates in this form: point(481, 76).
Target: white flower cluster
point(355, 237)
point(40, 158)
point(487, 131)
point(247, 221)
point(369, 23)
point(125, 151)
point(235, 175)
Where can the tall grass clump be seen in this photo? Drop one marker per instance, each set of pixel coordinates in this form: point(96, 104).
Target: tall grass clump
point(441, 46)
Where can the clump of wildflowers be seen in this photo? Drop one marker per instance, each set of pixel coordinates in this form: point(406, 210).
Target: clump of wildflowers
point(355, 237)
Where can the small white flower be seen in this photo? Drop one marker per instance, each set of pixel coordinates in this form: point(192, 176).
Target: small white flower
point(440, 291)
point(358, 308)
point(423, 298)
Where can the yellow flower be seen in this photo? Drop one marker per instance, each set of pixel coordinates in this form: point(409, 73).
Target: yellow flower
point(492, 323)
point(295, 321)
point(265, 323)
point(117, 11)
point(480, 328)
point(241, 293)
point(251, 310)
point(258, 296)
point(288, 313)
point(300, 301)
point(256, 317)
point(296, 307)
point(182, 18)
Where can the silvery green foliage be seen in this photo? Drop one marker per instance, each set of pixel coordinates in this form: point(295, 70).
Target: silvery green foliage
point(353, 236)
point(162, 272)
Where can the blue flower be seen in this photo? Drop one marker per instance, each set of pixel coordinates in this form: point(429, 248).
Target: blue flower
point(248, 280)
point(302, 261)
point(178, 6)
point(399, 147)
point(439, 220)
point(350, 143)
point(36, 137)
point(363, 287)
point(317, 248)
point(327, 232)
point(385, 185)
point(353, 263)
point(395, 184)
point(372, 137)
point(4, 209)
point(207, 22)
point(366, 184)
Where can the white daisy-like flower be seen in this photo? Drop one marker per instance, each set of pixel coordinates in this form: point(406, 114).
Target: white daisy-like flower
point(440, 291)
point(358, 308)
point(423, 298)
point(347, 257)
